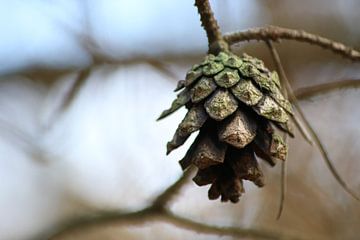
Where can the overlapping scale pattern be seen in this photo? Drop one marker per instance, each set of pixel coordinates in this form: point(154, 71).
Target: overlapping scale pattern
point(234, 102)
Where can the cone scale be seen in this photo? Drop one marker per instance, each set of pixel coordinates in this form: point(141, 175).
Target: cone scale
point(235, 103)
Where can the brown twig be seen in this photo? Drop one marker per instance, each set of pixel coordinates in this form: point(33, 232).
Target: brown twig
point(211, 27)
point(283, 175)
point(163, 68)
point(158, 211)
point(166, 196)
point(311, 130)
point(235, 232)
point(277, 33)
point(101, 220)
point(151, 214)
point(283, 183)
point(308, 92)
point(70, 95)
point(23, 140)
point(82, 76)
point(285, 81)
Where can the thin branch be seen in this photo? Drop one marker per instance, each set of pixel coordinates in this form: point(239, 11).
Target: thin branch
point(75, 88)
point(283, 185)
point(235, 232)
point(328, 162)
point(151, 214)
point(102, 220)
point(285, 81)
point(277, 33)
point(99, 57)
point(170, 193)
point(157, 212)
point(163, 68)
point(283, 179)
point(211, 27)
point(308, 92)
point(208, 21)
point(312, 132)
point(283, 182)
point(22, 140)
point(70, 96)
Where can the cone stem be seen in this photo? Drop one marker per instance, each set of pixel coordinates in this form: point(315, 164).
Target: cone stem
point(211, 27)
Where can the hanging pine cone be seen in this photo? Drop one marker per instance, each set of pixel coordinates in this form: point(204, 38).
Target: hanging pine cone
point(234, 102)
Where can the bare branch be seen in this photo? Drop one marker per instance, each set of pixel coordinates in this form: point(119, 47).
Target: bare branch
point(69, 97)
point(157, 211)
point(151, 214)
point(283, 187)
point(277, 33)
point(330, 165)
point(235, 232)
point(283, 182)
point(104, 219)
point(165, 197)
point(79, 82)
point(163, 68)
point(312, 132)
point(211, 27)
point(22, 140)
point(285, 81)
point(308, 92)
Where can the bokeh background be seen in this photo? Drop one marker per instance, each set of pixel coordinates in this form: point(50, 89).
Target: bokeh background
point(104, 150)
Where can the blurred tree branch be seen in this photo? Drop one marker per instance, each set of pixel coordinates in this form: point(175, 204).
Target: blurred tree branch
point(159, 211)
point(150, 214)
point(312, 91)
point(275, 33)
point(162, 201)
point(298, 121)
point(266, 34)
point(308, 130)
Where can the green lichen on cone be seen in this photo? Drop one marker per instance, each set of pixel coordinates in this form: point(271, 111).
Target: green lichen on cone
point(234, 102)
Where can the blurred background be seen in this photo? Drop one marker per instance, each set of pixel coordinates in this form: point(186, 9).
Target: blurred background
point(65, 155)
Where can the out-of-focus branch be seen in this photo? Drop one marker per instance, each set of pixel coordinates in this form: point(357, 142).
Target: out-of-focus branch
point(277, 33)
point(158, 211)
point(283, 182)
point(283, 185)
point(75, 88)
point(308, 92)
point(70, 95)
point(104, 219)
point(313, 134)
point(299, 122)
point(151, 214)
point(170, 193)
point(163, 68)
point(83, 74)
point(235, 232)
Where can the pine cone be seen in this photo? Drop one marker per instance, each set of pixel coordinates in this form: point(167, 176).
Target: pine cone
point(234, 102)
